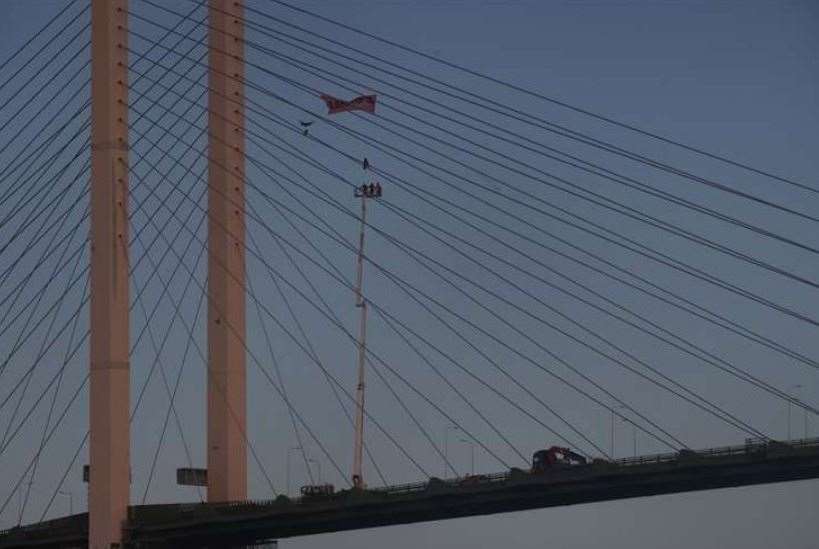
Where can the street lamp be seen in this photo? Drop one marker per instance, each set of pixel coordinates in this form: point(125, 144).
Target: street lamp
point(793, 389)
point(633, 432)
point(318, 464)
point(471, 453)
point(289, 451)
point(805, 420)
point(615, 414)
point(446, 448)
point(20, 500)
point(70, 496)
point(611, 450)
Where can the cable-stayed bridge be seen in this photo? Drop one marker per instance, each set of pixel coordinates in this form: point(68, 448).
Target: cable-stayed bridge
point(244, 233)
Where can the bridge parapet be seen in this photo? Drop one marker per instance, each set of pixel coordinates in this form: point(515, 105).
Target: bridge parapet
point(756, 462)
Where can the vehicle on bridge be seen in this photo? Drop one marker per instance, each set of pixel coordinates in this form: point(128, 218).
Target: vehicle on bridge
point(555, 458)
point(317, 490)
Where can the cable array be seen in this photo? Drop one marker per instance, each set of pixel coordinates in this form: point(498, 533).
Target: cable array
point(527, 278)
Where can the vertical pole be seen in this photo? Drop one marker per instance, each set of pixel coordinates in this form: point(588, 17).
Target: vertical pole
point(358, 479)
point(805, 420)
point(288, 472)
point(227, 452)
point(805, 417)
point(447, 464)
point(109, 480)
point(612, 433)
point(472, 456)
point(446, 449)
point(789, 421)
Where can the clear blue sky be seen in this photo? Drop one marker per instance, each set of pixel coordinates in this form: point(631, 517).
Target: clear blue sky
point(738, 78)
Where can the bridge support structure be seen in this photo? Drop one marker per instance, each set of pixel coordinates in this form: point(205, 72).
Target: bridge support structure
point(108, 492)
point(226, 432)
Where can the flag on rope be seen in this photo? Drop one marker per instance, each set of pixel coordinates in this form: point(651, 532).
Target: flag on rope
point(364, 103)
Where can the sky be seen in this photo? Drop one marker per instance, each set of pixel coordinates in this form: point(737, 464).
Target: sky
point(738, 79)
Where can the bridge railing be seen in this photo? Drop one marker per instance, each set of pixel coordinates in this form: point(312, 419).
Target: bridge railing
point(176, 511)
point(751, 446)
point(68, 526)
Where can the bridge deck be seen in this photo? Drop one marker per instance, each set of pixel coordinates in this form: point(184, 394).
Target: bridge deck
point(220, 525)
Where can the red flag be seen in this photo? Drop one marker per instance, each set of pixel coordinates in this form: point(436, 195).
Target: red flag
point(364, 103)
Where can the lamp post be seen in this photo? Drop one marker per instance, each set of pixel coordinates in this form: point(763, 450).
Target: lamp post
point(793, 389)
point(446, 448)
point(318, 464)
point(611, 450)
point(70, 496)
point(471, 454)
point(615, 414)
point(21, 499)
point(633, 433)
point(805, 420)
point(20, 506)
point(797, 389)
point(289, 451)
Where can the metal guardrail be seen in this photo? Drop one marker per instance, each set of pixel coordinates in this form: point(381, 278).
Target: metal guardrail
point(70, 525)
point(750, 447)
point(176, 511)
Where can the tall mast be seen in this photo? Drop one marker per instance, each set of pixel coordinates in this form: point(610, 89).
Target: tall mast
point(365, 192)
point(361, 303)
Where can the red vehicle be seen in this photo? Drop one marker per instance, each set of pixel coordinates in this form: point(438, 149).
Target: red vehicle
point(555, 457)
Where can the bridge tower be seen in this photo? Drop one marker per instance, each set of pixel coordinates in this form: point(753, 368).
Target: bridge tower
point(108, 492)
point(227, 452)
